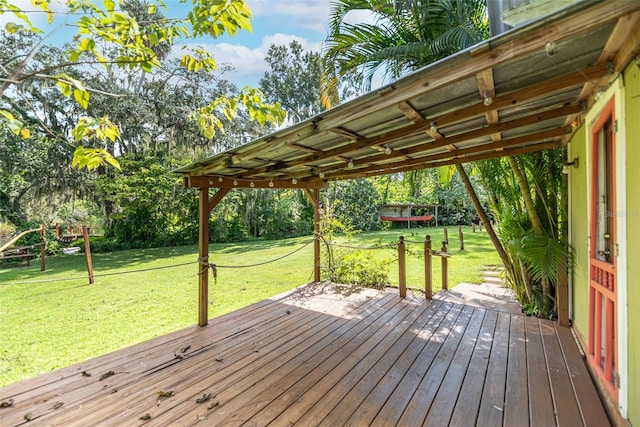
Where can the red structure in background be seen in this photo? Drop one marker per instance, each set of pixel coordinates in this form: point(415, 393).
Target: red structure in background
point(404, 213)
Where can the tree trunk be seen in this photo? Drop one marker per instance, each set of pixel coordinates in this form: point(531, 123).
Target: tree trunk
point(485, 220)
point(526, 195)
point(526, 282)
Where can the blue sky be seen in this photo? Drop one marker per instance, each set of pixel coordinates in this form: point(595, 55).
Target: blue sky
point(274, 22)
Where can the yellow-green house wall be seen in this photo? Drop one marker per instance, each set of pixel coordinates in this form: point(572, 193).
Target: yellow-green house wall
point(632, 216)
point(579, 229)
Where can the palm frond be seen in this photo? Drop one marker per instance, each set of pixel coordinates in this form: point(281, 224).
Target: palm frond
point(545, 257)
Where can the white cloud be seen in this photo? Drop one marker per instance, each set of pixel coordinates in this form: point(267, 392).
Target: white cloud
point(249, 65)
point(308, 14)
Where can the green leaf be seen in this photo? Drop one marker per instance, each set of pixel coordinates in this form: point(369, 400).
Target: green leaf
point(92, 158)
point(82, 97)
point(87, 45)
point(12, 27)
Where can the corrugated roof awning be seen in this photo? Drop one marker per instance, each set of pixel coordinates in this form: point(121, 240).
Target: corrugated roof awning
point(523, 91)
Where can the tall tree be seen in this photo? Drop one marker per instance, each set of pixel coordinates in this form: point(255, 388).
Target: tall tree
point(140, 40)
point(293, 80)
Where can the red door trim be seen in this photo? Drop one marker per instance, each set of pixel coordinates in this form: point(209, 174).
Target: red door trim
point(602, 274)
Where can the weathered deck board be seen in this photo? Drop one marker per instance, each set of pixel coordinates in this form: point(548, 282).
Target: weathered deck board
point(541, 406)
point(516, 403)
point(466, 410)
point(376, 399)
point(336, 402)
point(585, 392)
point(492, 404)
point(568, 413)
point(327, 358)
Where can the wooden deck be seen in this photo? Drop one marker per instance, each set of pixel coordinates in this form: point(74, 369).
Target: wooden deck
point(325, 356)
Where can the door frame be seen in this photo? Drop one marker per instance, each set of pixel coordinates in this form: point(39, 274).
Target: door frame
point(603, 296)
point(614, 93)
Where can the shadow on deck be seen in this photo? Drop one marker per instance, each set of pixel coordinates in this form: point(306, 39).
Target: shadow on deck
point(325, 355)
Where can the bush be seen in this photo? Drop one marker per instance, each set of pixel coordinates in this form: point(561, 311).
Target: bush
point(360, 269)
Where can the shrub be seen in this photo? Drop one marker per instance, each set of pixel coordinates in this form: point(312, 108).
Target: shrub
point(361, 269)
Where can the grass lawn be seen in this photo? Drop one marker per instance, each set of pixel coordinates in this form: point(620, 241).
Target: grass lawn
point(52, 324)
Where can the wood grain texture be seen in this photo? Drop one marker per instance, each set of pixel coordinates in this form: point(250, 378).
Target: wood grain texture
point(328, 355)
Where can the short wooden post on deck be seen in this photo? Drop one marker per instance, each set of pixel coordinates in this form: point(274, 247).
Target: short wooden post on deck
point(428, 285)
point(43, 248)
point(461, 238)
point(87, 251)
point(446, 236)
point(203, 258)
point(402, 268)
point(443, 257)
point(562, 296)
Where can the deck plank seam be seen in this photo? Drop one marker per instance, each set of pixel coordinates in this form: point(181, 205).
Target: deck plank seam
point(378, 337)
point(421, 321)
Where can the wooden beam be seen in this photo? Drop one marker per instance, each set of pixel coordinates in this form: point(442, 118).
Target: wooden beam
point(624, 42)
point(449, 158)
point(346, 133)
point(410, 112)
point(215, 181)
point(476, 133)
point(540, 90)
point(217, 198)
point(303, 148)
point(415, 116)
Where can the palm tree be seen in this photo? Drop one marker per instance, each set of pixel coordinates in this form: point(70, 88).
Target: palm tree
point(405, 35)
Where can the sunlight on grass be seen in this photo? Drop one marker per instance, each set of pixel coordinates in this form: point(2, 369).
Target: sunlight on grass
point(51, 324)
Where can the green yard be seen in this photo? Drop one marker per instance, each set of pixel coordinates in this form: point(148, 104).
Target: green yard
point(49, 322)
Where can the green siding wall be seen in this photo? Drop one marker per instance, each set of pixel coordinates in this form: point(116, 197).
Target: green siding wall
point(632, 114)
point(579, 231)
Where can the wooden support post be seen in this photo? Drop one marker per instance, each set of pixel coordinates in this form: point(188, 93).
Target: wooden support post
point(473, 227)
point(43, 248)
point(402, 268)
point(461, 237)
point(316, 233)
point(445, 275)
point(203, 257)
point(314, 197)
point(205, 206)
point(446, 236)
point(87, 251)
point(57, 229)
point(428, 285)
